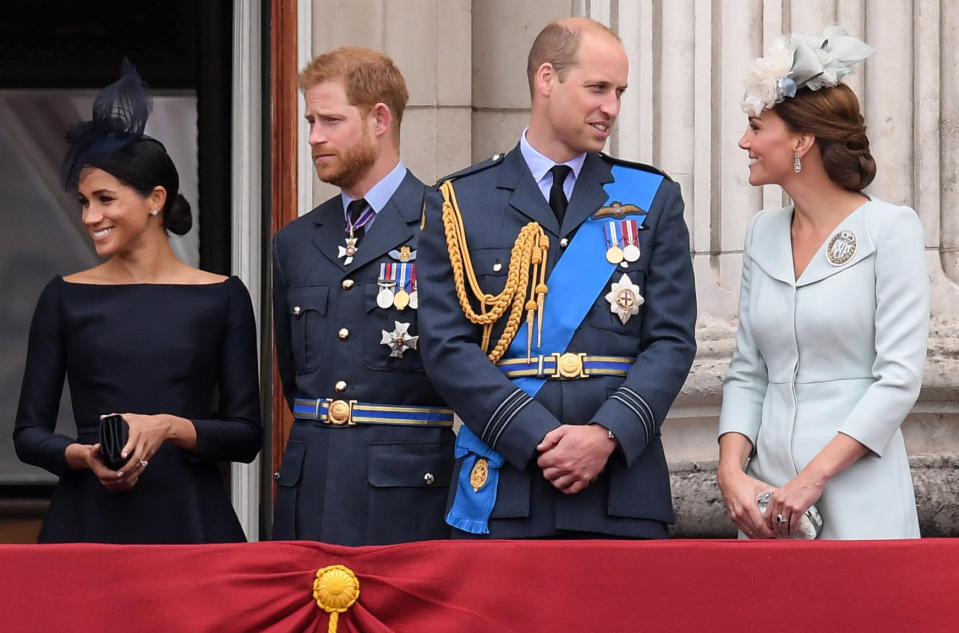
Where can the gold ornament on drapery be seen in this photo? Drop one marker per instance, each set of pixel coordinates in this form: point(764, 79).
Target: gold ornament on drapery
point(335, 590)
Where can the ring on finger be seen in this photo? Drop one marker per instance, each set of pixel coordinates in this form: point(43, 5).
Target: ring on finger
point(143, 463)
point(780, 519)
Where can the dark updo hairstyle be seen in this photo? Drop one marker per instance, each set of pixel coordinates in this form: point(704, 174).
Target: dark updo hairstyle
point(143, 165)
point(833, 116)
point(113, 140)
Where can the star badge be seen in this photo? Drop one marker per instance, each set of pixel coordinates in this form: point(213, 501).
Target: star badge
point(399, 340)
point(347, 252)
point(624, 298)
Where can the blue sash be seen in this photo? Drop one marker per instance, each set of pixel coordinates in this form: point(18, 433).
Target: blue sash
point(578, 278)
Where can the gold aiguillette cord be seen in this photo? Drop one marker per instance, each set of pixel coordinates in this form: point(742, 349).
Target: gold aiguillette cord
point(525, 280)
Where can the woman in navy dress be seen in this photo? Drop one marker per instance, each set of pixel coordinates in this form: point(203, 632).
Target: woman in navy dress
point(169, 347)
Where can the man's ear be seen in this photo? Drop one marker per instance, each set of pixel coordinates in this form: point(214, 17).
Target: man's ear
point(544, 79)
point(382, 119)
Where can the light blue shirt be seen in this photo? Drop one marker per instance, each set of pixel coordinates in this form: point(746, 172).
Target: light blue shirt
point(380, 193)
point(540, 165)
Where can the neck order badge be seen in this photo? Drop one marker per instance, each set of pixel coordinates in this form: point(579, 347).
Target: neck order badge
point(578, 278)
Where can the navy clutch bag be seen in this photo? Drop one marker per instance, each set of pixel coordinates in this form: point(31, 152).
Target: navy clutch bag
point(114, 434)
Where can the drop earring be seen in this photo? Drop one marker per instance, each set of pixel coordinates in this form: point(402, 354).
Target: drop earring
point(797, 164)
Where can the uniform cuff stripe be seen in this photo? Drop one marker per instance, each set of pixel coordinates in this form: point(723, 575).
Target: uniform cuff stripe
point(513, 415)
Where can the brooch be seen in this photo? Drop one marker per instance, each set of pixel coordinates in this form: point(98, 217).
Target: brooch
point(624, 298)
point(841, 247)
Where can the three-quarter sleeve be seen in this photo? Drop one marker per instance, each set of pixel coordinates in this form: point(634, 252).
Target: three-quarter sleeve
point(746, 379)
point(236, 435)
point(901, 332)
point(34, 434)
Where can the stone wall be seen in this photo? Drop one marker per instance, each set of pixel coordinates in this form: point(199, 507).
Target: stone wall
point(465, 65)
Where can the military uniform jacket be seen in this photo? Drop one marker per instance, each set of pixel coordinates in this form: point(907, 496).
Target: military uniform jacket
point(632, 496)
point(362, 484)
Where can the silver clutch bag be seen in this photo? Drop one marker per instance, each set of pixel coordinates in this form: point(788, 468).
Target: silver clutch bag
point(810, 525)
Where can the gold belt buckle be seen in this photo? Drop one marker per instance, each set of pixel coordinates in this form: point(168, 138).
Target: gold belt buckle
point(340, 412)
point(569, 365)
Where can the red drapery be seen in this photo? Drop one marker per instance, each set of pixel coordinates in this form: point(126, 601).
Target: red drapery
point(474, 587)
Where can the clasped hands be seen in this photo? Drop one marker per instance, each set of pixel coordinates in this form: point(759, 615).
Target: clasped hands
point(147, 434)
point(790, 502)
point(572, 456)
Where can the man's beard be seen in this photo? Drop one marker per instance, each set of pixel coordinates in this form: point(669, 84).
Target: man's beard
point(350, 165)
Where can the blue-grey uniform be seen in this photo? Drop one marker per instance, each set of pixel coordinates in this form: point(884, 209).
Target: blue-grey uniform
point(632, 363)
point(371, 449)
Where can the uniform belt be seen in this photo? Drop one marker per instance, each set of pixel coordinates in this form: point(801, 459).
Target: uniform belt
point(566, 366)
point(350, 412)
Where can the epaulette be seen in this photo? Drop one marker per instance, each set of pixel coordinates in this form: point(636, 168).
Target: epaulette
point(642, 166)
point(495, 159)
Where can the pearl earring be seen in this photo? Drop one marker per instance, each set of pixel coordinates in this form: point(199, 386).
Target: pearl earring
point(154, 212)
point(797, 164)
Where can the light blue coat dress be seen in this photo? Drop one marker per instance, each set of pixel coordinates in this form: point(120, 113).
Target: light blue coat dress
point(839, 350)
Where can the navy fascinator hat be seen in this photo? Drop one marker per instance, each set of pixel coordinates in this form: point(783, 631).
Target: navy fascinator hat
point(120, 115)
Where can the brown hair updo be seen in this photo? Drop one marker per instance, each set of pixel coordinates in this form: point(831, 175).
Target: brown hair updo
point(833, 116)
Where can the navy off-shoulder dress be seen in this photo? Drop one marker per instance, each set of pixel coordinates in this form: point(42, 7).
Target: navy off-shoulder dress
point(186, 350)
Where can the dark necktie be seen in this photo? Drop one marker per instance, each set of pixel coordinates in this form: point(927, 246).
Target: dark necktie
point(354, 210)
point(557, 198)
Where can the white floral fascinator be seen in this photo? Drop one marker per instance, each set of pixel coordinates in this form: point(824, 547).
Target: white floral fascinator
point(798, 60)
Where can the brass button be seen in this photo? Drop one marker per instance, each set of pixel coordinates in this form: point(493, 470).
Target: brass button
point(347, 284)
point(297, 310)
point(563, 243)
point(428, 479)
point(340, 386)
point(343, 334)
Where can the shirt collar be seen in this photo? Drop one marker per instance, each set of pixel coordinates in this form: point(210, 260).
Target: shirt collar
point(540, 165)
point(380, 193)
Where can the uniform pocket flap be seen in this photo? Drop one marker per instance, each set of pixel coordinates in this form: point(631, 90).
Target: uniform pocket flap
point(490, 262)
point(303, 298)
point(292, 465)
point(410, 465)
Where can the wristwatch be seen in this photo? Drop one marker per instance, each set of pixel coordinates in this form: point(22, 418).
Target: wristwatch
point(609, 434)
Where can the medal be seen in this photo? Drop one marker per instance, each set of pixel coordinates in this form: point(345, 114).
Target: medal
point(841, 247)
point(414, 295)
point(614, 254)
point(479, 474)
point(399, 340)
point(347, 252)
point(402, 297)
point(384, 298)
point(624, 298)
point(386, 282)
point(629, 231)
